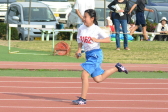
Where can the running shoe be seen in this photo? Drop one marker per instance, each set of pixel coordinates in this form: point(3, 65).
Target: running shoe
point(79, 101)
point(121, 68)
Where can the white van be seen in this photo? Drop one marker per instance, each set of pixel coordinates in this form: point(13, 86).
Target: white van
point(18, 13)
point(60, 8)
point(3, 8)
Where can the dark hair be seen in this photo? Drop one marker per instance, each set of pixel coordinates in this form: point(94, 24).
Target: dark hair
point(92, 13)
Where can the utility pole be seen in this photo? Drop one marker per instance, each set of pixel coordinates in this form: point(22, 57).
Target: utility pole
point(104, 12)
point(29, 19)
point(7, 25)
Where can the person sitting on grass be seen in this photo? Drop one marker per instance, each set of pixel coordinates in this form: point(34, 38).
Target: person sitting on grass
point(90, 36)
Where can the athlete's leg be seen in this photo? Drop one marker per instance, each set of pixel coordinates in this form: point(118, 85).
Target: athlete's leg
point(106, 74)
point(118, 67)
point(85, 83)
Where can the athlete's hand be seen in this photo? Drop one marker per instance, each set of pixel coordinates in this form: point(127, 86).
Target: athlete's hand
point(78, 54)
point(94, 39)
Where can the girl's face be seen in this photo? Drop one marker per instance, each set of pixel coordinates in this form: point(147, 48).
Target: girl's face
point(88, 21)
point(163, 22)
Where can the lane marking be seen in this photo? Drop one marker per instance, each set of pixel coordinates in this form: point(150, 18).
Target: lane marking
point(76, 82)
point(165, 101)
point(32, 107)
point(125, 94)
point(75, 88)
point(79, 77)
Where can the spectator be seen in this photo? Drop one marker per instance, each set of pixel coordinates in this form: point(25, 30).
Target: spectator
point(80, 7)
point(120, 19)
point(140, 19)
point(132, 26)
point(162, 28)
point(109, 23)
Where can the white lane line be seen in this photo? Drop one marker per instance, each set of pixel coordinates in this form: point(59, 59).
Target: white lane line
point(32, 107)
point(125, 94)
point(75, 82)
point(14, 77)
point(76, 88)
point(164, 101)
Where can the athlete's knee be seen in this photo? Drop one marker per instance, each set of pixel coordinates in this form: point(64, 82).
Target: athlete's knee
point(97, 80)
point(84, 75)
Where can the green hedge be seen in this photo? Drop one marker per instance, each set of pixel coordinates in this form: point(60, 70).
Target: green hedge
point(14, 32)
point(65, 36)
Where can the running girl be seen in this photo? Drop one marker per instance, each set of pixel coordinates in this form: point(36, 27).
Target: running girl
point(90, 36)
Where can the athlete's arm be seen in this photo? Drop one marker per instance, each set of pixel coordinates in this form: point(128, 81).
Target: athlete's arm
point(105, 40)
point(79, 50)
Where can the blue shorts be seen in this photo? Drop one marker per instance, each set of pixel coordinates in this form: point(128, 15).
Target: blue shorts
point(93, 62)
point(140, 19)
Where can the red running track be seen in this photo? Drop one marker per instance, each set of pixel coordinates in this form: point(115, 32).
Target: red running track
point(37, 94)
point(76, 66)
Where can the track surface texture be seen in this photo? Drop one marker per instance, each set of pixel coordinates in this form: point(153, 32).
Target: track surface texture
point(42, 94)
point(76, 66)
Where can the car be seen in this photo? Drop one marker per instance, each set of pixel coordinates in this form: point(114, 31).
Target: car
point(152, 2)
point(99, 8)
point(154, 17)
point(159, 12)
point(27, 0)
point(156, 2)
point(3, 8)
point(60, 8)
point(18, 13)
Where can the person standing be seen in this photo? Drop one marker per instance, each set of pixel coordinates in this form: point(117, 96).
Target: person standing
point(80, 7)
point(90, 36)
point(140, 18)
point(120, 19)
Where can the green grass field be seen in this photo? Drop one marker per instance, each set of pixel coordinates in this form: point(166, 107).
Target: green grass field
point(56, 73)
point(143, 52)
point(45, 57)
point(154, 52)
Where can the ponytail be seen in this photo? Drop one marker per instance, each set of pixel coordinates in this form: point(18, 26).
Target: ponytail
point(92, 13)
